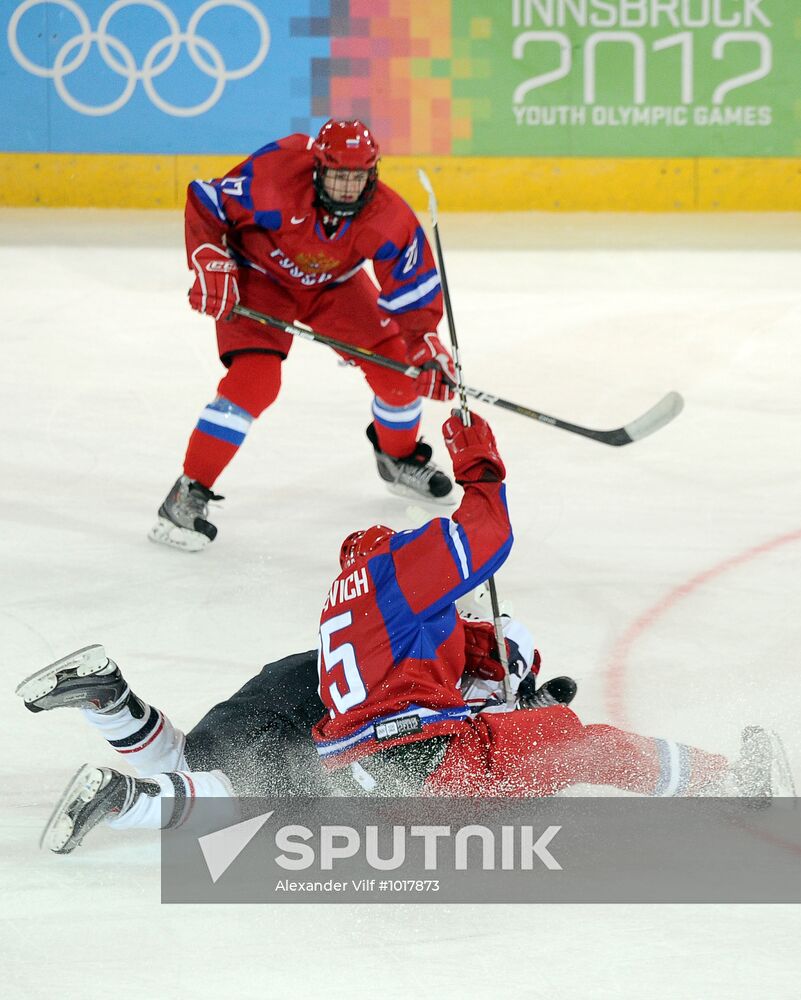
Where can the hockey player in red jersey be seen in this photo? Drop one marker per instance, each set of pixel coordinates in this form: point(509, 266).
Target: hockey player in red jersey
point(390, 635)
point(287, 233)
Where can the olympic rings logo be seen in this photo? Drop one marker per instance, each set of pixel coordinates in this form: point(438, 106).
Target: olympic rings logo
point(161, 56)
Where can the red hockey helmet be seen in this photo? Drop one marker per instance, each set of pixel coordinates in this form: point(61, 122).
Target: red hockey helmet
point(359, 544)
point(345, 147)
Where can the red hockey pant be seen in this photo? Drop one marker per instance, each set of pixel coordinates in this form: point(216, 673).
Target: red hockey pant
point(254, 354)
point(540, 751)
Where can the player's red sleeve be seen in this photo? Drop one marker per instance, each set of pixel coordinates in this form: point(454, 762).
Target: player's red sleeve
point(410, 289)
point(204, 218)
point(446, 558)
point(483, 517)
point(214, 207)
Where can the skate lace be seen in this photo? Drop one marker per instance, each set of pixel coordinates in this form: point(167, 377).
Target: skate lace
point(194, 505)
point(196, 501)
point(409, 475)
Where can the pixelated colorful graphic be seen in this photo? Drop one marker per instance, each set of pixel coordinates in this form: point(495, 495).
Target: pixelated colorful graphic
point(533, 78)
point(397, 64)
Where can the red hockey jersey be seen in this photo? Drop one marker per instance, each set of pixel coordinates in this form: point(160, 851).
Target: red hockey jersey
point(391, 644)
point(264, 212)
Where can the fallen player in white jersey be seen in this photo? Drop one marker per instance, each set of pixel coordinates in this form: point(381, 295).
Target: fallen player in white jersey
point(258, 741)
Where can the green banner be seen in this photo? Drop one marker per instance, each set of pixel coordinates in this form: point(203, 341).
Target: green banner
point(628, 77)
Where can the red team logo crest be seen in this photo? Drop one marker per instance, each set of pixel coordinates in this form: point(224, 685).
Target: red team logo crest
point(313, 263)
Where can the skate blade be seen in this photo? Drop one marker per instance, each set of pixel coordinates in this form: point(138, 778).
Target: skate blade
point(449, 500)
point(86, 661)
point(84, 785)
point(166, 533)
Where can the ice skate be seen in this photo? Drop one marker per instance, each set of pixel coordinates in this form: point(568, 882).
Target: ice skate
point(86, 678)
point(94, 794)
point(556, 691)
point(413, 476)
point(762, 770)
point(183, 517)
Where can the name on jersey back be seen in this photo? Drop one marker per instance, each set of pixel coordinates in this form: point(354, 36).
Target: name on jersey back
point(348, 587)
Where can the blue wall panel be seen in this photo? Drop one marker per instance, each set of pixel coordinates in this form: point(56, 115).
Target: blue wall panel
point(155, 76)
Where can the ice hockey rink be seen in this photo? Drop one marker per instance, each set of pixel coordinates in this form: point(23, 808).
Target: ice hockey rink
point(664, 576)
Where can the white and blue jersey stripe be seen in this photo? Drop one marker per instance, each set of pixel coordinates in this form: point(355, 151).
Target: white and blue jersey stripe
point(208, 195)
point(412, 295)
point(367, 733)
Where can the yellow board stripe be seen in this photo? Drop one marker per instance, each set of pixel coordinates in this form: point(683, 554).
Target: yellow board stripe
point(463, 184)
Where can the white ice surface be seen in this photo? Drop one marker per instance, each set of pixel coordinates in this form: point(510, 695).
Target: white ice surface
point(664, 576)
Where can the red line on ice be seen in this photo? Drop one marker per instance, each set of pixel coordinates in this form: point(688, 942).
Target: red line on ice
point(617, 662)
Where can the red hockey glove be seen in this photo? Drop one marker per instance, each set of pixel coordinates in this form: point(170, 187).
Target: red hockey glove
point(482, 658)
point(473, 450)
point(215, 290)
point(437, 380)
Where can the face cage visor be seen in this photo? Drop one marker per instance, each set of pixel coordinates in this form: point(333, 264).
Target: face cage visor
point(343, 209)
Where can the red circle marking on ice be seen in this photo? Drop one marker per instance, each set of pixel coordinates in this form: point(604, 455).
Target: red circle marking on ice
point(617, 661)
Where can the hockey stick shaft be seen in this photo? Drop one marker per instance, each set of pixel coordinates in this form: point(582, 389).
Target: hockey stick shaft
point(339, 345)
point(662, 413)
point(500, 638)
point(446, 295)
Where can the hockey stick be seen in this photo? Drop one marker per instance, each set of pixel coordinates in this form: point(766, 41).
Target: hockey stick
point(500, 638)
point(661, 413)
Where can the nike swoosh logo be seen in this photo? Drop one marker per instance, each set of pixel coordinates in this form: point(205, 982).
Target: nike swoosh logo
point(222, 848)
point(297, 222)
point(387, 321)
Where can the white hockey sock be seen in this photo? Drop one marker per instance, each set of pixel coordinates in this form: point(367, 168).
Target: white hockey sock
point(181, 786)
point(150, 744)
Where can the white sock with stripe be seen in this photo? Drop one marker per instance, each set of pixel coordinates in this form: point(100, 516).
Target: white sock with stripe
point(225, 421)
point(150, 744)
point(182, 787)
point(398, 425)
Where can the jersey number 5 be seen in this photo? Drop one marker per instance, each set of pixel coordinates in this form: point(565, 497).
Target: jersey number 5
point(330, 657)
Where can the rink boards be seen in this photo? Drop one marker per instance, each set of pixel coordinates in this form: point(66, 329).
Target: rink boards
point(467, 183)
